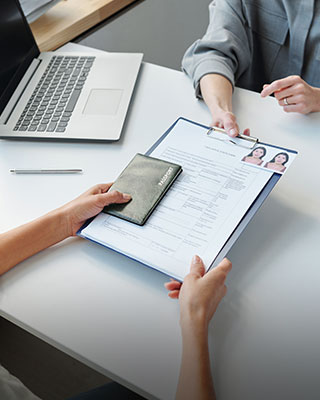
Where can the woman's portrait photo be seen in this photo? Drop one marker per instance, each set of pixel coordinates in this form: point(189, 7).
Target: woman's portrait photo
point(256, 156)
point(278, 162)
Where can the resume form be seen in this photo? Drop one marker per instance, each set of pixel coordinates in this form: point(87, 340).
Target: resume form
point(200, 211)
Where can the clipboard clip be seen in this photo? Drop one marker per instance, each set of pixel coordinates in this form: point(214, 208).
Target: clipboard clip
point(252, 141)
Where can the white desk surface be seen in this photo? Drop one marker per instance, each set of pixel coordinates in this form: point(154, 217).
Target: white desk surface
point(114, 314)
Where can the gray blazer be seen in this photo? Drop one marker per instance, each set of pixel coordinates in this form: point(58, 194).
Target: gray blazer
point(252, 42)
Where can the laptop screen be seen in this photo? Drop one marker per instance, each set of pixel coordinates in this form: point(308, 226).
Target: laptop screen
point(17, 48)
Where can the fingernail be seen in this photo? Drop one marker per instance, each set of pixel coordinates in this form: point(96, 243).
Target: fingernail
point(233, 132)
point(126, 196)
point(195, 259)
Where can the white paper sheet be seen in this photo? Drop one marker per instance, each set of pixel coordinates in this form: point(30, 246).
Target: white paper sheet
point(200, 211)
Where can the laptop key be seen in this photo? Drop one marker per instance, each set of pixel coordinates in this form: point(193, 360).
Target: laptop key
point(76, 72)
point(73, 100)
point(42, 128)
point(51, 127)
point(60, 129)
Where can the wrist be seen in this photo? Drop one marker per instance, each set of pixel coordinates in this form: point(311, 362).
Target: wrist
point(194, 323)
point(317, 103)
point(217, 93)
point(60, 220)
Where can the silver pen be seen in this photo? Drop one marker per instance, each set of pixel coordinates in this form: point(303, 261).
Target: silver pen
point(46, 171)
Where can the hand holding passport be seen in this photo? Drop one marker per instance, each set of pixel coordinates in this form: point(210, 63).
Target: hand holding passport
point(147, 180)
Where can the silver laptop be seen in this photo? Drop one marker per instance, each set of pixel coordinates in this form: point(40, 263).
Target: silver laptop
point(60, 95)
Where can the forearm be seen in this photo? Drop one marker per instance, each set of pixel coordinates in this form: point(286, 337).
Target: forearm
point(26, 240)
point(195, 381)
point(217, 93)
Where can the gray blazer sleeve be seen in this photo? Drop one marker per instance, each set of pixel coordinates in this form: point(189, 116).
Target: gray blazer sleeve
point(225, 47)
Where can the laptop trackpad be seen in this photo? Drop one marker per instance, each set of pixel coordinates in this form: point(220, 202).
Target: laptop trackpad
point(103, 102)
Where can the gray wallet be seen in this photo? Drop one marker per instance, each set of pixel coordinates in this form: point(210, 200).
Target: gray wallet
point(146, 179)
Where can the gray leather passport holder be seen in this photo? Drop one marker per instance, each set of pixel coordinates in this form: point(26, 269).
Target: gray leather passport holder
point(146, 179)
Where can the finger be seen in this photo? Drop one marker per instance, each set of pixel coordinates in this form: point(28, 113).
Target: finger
point(292, 100)
point(287, 101)
point(174, 294)
point(225, 265)
point(216, 123)
point(265, 85)
point(233, 132)
point(279, 85)
point(174, 285)
point(197, 266)
point(104, 187)
point(115, 197)
point(220, 272)
point(285, 93)
point(293, 108)
point(99, 188)
point(230, 125)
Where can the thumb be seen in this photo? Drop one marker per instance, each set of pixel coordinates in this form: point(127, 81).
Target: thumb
point(220, 272)
point(230, 125)
point(115, 197)
point(225, 265)
point(197, 266)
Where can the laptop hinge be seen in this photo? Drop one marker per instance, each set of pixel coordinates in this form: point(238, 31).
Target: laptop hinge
point(19, 91)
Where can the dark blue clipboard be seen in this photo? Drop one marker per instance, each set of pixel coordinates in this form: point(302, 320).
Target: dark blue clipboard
point(241, 225)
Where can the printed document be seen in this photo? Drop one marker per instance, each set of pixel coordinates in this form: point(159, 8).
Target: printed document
point(199, 212)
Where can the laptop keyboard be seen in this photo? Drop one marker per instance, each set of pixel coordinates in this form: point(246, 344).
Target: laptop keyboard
point(50, 106)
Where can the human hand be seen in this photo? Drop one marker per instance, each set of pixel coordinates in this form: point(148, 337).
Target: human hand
point(216, 91)
point(227, 121)
point(200, 293)
point(294, 94)
point(89, 204)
